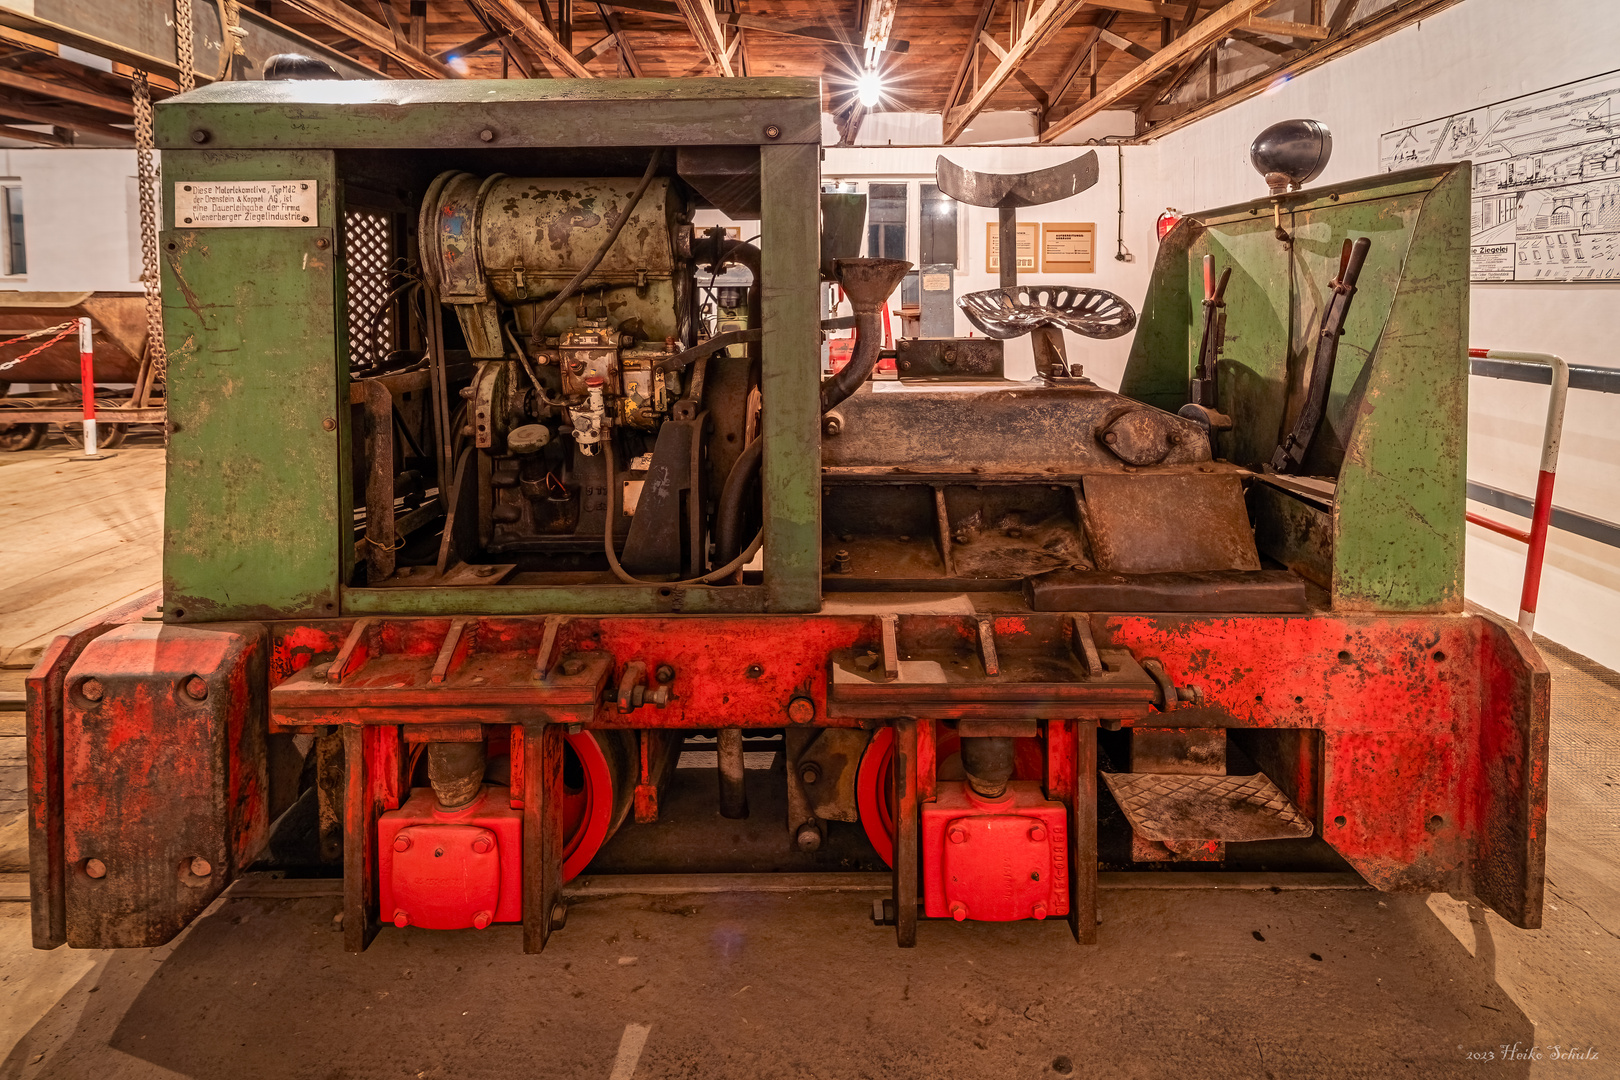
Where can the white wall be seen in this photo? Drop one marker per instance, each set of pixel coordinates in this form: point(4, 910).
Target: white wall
point(1103, 360)
point(80, 219)
point(1472, 54)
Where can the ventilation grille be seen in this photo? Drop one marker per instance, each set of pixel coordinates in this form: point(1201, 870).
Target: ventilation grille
point(368, 250)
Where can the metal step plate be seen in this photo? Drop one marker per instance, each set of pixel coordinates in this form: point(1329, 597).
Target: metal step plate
point(1178, 808)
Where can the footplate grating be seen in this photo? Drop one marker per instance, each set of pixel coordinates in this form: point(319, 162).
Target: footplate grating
point(1176, 808)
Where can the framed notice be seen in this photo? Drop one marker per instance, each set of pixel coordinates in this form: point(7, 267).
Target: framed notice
point(1027, 231)
point(1068, 247)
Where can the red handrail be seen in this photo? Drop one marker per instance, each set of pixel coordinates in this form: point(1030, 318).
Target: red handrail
point(1541, 512)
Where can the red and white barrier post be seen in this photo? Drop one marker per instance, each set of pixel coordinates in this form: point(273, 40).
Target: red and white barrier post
point(1541, 513)
point(87, 383)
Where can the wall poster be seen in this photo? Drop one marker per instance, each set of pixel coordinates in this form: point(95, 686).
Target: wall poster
point(1068, 247)
point(1026, 246)
point(1546, 198)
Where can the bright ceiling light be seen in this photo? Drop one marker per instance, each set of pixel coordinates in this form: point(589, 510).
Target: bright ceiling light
point(869, 87)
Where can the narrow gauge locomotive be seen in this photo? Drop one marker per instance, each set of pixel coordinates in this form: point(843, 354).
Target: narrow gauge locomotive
point(475, 521)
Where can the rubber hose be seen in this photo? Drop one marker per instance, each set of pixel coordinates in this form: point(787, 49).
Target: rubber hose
point(613, 559)
point(728, 515)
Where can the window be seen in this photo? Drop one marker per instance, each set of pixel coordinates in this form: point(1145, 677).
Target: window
point(11, 223)
point(938, 227)
point(886, 221)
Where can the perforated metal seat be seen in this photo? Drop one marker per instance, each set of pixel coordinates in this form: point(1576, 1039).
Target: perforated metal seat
point(1014, 312)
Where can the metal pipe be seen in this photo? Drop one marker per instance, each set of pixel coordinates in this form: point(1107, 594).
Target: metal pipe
point(867, 283)
point(733, 774)
point(456, 771)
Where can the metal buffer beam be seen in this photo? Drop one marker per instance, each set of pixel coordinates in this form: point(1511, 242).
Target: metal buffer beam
point(1204, 34)
point(1037, 30)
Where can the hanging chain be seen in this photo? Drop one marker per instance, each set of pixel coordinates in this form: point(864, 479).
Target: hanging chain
point(61, 330)
point(147, 178)
point(183, 44)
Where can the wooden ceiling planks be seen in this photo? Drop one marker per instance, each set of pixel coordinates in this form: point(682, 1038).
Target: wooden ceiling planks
point(1092, 59)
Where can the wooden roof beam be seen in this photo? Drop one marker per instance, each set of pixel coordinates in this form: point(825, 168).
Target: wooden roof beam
point(705, 26)
point(43, 138)
point(44, 113)
point(1146, 7)
point(836, 35)
point(466, 48)
point(1206, 33)
point(63, 92)
point(1038, 28)
point(1126, 45)
point(533, 34)
point(1082, 52)
point(373, 35)
point(1304, 31)
point(964, 70)
point(610, 19)
point(877, 23)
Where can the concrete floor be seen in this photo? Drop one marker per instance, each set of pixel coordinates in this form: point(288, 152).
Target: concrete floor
point(1184, 983)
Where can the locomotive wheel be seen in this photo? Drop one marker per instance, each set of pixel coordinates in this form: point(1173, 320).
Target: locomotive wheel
point(15, 437)
point(874, 781)
point(106, 437)
point(599, 783)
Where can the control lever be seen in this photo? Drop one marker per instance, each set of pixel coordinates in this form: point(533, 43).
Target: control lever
point(1203, 391)
point(1291, 451)
point(1214, 337)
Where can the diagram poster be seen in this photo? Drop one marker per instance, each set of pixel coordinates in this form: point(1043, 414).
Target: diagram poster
point(1026, 246)
point(1546, 191)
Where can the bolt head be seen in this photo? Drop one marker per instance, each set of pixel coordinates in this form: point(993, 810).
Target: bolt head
point(486, 135)
point(1037, 833)
point(958, 910)
point(573, 667)
point(196, 688)
point(199, 136)
point(1111, 437)
point(665, 673)
point(482, 919)
point(402, 842)
point(329, 424)
point(958, 836)
point(95, 868)
point(482, 845)
point(201, 867)
point(772, 131)
point(801, 710)
point(401, 919)
point(92, 690)
point(809, 837)
point(1038, 910)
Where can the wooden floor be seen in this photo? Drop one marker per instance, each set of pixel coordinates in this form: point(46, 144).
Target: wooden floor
point(76, 537)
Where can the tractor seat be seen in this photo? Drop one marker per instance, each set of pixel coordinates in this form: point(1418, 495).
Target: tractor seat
point(1014, 312)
